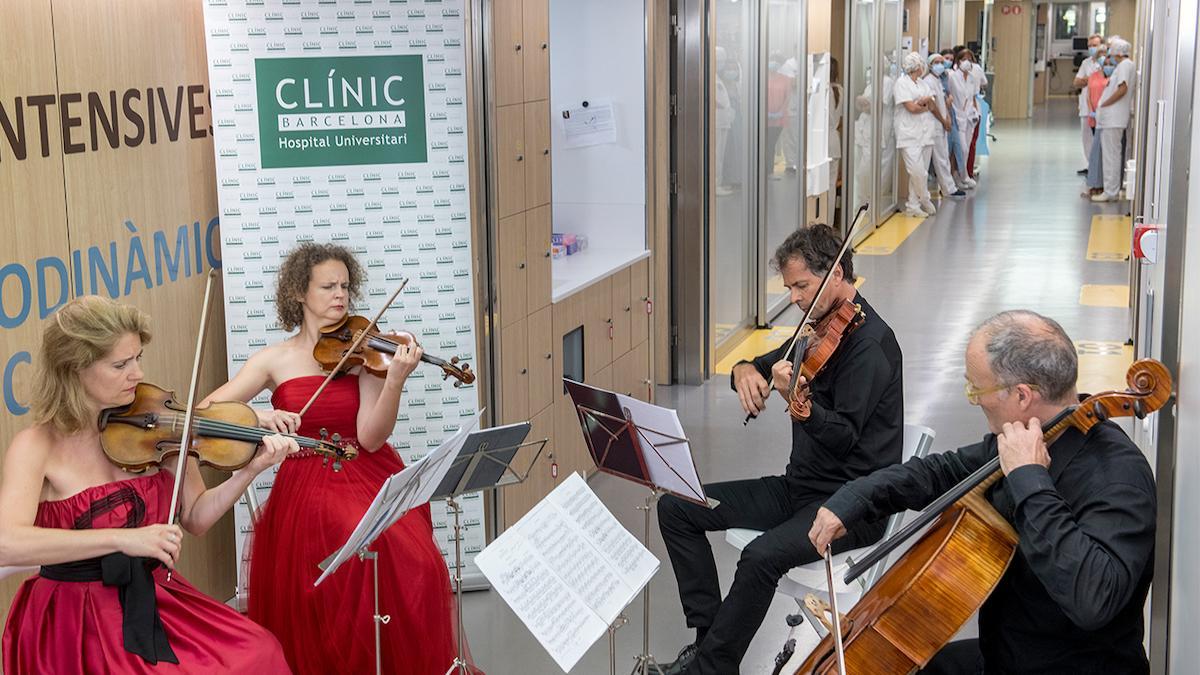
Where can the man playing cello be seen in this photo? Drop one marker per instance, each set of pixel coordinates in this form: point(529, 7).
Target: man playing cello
point(1084, 510)
point(852, 425)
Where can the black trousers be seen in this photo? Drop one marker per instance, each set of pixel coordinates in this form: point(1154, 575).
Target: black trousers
point(771, 504)
point(957, 658)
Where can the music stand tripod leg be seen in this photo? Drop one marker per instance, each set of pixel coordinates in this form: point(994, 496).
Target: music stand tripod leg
point(373, 558)
point(644, 663)
point(460, 660)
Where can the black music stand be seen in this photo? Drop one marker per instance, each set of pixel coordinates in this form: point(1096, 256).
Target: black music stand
point(659, 460)
point(484, 462)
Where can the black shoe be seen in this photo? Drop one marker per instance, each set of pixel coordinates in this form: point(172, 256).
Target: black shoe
point(1081, 172)
point(686, 656)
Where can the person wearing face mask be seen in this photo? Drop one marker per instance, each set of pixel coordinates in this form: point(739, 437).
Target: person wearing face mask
point(1097, 82)
point(963, 89)
point(941, 126)
point(915, 121)
point(957, 158)
point(1090, 65)
point(1112, 116)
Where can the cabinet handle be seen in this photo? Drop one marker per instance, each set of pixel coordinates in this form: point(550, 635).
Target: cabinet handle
point(547, 254)
point(549, 355)
point(546, 151)
point(524, 370)
point(520, 158)
point(543, 45)
point(518, 46)
point(521, 266)
point(628, 308)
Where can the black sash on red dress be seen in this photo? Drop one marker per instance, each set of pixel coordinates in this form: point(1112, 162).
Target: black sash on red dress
point(140, 624)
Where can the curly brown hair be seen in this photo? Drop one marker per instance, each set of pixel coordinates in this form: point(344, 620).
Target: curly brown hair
point(296, 271)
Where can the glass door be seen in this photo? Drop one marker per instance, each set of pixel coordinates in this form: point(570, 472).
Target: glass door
point(733, 179)
point(860, 111)
point(890, 61)
point(784, 59)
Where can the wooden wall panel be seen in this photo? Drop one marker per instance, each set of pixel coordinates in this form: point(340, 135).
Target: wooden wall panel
point(105, 203)
point(1012, 61)
point(34, 225)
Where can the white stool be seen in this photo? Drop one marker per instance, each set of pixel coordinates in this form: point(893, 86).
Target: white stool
point(810, 578)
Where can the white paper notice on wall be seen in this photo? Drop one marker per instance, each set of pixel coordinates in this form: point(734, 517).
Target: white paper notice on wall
point(590, 123)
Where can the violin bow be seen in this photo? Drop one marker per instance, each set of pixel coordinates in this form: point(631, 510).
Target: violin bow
point(353, 347)
point(836, 618)
point(185, 438)
point(862, 210)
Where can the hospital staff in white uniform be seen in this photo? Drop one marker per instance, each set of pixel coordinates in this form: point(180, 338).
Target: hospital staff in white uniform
point(940, 122)
point(964, 86)
point(915, 132)
point(1112, 116)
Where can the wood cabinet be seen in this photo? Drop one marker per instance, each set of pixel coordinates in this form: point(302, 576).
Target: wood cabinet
point(621, 311)
point(513, 273)
point(518, 499)
point(510, 160)
point(508, 52)
point(537, 49)
point(597, 333)
point(631, 372)
point(537, 158)
point(537, 257)
point(514, 371)
point(639, 294)
point(540, 360)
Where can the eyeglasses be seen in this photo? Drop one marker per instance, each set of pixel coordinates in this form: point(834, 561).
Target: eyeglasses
point(974, 394)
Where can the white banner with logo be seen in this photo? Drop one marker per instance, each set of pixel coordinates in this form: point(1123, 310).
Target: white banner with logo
point(346, 122)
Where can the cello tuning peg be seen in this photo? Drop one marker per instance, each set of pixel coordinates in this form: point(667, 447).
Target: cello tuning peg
point(337, 438)
point(457, 384)
point(323, 433)
point(1100, 412)
point(454, 360)
point(337, 465)
point(1139, 409)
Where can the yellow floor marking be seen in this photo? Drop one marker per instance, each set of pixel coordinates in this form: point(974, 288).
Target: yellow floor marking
point(1102, 365)
point(760, 341)
point(1104, 295)
point(1109, 240)
point(888, 237)
point(757, 343)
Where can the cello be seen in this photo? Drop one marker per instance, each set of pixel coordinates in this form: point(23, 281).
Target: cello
point(960, 560)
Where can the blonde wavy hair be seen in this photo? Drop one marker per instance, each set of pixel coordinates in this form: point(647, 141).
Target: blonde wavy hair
point(81, 332)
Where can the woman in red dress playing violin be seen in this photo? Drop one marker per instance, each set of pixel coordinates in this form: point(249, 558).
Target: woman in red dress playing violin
point(312, 510)
point(102, 600)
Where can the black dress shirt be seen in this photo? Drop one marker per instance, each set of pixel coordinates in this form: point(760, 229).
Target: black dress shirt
point(1071, 600)
point(857, 420)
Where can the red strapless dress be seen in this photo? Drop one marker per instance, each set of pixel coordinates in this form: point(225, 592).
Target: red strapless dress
point(65, 627)
point(311, 511)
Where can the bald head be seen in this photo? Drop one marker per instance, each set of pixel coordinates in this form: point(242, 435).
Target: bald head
point(1024, 347)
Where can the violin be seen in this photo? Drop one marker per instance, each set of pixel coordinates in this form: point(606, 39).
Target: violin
point(922, 601)
point(822, 341)
point(375, 352)
point(145, 432)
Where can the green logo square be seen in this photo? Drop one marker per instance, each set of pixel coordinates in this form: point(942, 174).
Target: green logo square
point(338, 111)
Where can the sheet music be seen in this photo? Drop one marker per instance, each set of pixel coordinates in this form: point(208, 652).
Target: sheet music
point(567, 569)
point(668, 461)
point(399, 494)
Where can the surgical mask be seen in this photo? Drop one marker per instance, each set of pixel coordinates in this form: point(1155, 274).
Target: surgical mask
point(938, 69)
point(1092, 51)
point(964, 66)
point(1108, 70)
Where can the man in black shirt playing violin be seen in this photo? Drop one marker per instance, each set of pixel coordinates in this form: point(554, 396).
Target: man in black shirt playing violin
point(1084, 511)
point(851, 424)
